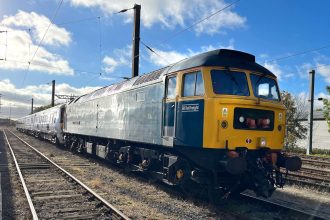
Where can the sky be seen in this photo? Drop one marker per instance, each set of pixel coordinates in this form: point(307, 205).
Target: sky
point(84, 45)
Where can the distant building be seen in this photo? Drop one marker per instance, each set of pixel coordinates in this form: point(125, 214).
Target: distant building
point(321, 136)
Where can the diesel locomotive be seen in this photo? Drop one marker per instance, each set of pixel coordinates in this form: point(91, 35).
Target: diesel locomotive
point(215, 119)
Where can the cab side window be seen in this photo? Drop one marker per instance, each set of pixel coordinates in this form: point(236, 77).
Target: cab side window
point(199, 84)
point(193, 84)
point(189, 84)
point(171, 86)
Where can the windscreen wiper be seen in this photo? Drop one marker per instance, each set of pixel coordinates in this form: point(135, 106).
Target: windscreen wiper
point(227, 71)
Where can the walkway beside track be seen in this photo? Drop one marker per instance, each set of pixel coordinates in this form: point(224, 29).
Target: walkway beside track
point(1, 161)
point(0, 199)
point(6, 205)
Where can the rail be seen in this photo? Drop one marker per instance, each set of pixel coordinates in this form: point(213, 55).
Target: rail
point(27, 194)
point(105, 203)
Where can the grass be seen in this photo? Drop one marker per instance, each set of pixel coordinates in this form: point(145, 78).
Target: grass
point(78, 170)
point(96, 182)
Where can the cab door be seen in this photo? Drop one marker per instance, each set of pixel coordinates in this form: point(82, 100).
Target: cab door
point(190, 111)
point(169, 111)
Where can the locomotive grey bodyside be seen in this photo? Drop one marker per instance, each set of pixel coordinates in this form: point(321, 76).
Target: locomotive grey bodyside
point(126, 111)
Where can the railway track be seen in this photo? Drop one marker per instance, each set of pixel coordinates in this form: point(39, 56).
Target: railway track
point(312, 157)
point(316, 163)
point(319, 182)
point(51, 191)
point(313, 160)
point(315, 173)
point(279, 208)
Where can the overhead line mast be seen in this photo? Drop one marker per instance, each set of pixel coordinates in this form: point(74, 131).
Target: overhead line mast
point(136, 41)
point(53, 93)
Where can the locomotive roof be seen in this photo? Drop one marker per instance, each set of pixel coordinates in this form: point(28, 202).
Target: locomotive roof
point(221, 57)
point(224, 58)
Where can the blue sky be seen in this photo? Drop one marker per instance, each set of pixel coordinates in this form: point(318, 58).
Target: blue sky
point(88, 38)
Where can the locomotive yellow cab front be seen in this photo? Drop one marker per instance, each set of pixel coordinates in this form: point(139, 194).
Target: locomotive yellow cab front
point(242, 109)
point(244, 116)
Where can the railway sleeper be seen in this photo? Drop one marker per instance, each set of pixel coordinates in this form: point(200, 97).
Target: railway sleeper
point(70, 210)
point(82, 216)
point(52, 192)
point(68, 203)
point(57, 197)
point(48, 180)
point(63, 209)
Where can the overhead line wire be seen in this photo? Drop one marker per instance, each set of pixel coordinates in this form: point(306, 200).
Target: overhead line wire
point(78, 20)
point(61, 24)
point(51, 22)
point(43, 37)
point(299, 53)
point(199, 21)
point(187, 28)
point(153, 51)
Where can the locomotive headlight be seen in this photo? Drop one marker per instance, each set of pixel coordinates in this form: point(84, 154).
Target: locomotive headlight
point(262, 142)
point(241, 119)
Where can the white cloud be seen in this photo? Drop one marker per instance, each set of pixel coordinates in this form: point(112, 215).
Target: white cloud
point(110, 63)
point(110, 79)
point(304, 69)
point(264, 56)
point(122, 57)
point(20, 98)
point(164, 58)
point(21, 45)
point(320, 68)
point(224, 20)
point(288, 75)
point(274, 68)
point(324, 70)
point(38, 24)
point(171, 13)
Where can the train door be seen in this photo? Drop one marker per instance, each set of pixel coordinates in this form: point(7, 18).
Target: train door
point(169, 111)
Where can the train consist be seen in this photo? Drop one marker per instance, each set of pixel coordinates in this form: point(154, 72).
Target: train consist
point(215, 119)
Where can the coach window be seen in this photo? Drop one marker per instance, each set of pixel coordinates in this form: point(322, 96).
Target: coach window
point(171, 86)
point(193, 84)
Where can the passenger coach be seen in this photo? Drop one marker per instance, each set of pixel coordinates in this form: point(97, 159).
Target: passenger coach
point(47, 124)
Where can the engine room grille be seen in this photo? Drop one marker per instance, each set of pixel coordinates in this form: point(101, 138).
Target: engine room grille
point(149, 77)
